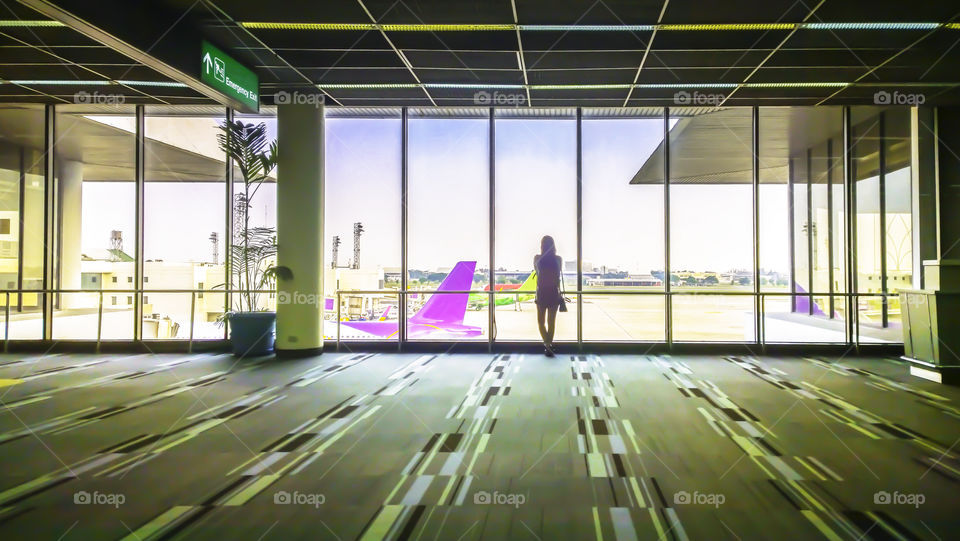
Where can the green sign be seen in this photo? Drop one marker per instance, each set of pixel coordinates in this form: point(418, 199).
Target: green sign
point(229, 77)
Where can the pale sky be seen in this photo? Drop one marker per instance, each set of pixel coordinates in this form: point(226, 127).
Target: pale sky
point(448, 192)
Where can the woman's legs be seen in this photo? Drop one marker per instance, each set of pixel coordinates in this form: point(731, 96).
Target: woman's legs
point(547, 324)
point(551, 325)
point(541, 323)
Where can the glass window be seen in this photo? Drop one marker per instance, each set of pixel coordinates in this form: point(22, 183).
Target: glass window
point(184, 221)
point(448, 225)
point(96, 182)
point(362, 201)
point(21, 192)
point(898, 235)
point(536, 195)
point(623, 225)
point(881, 155)
point(801, 162)
point(711, 224)
point(254, 212)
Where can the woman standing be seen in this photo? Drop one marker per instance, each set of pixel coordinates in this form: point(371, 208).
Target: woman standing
point(548, 266)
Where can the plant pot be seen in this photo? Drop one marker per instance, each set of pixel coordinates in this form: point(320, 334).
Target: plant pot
point(252, 333)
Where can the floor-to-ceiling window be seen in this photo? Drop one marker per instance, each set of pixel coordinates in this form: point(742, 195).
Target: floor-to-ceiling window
point(184, 224)
point(253, 245)
point(711, 224)
point(704, 254)
point(623, 227)
point(801, 213)
point(536, 195)
point(898, 220)
point(362, 189)
point(22, 240)
point(448, 223)
point(883, 246)
point(95, 172)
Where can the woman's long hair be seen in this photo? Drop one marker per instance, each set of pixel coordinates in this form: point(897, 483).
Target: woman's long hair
point(547, 246)
point(548, 254)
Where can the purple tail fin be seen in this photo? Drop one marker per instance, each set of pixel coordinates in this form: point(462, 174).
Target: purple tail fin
point(803, 303)
point(449, 309)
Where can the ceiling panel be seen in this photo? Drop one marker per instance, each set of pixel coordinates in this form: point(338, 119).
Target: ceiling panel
point(296, 57)
point(588, 11)
point(462, 59)
point(735, 11)
point(440, 11)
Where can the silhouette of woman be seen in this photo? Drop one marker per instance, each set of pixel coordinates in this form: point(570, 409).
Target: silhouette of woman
point(548, 266)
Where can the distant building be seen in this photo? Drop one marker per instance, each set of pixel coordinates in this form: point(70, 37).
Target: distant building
point(634, 280)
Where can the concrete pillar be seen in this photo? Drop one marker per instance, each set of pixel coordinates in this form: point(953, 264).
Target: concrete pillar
point(300, 228)
point(931, 316)
point(70, 175)
point(948, 182)
point(923, 170)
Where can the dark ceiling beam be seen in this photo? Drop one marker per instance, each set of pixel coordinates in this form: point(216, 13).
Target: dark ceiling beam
point(121, 25)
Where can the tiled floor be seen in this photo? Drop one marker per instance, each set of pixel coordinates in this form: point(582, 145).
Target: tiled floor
point(409, 446)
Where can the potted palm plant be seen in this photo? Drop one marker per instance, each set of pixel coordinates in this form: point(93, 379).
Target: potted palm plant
point(252, 251)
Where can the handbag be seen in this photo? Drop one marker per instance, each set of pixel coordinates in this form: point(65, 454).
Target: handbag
point(563, 300)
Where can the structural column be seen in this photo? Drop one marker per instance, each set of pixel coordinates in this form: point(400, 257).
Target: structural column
point(948, 183)
point(931, 315)
point(71, 194)
point(300, 229)
point(923, 170)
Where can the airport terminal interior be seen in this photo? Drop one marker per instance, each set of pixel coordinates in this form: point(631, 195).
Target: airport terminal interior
point(272, 271)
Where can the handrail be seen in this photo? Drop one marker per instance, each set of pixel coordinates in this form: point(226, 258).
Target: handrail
point(608, 292)
point(760, 333)
point(103, 290)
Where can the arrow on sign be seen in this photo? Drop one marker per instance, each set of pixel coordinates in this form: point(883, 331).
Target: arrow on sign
point(207, 63)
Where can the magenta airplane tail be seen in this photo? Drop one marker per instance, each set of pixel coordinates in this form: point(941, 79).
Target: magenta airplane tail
point(448, 308)
point(441, 313)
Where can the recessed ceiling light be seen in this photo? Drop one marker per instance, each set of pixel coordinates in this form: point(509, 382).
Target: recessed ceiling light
point(309, 26)
point(602, 86)
point(869, 26)
point(22, 23)
point(685, 85)
point(71, 82)
point(445, 27)
point(473, 85)
point(796, 85)
point(580, 87)
point(727, 26)
point(58, 82)
point(171, 84)
point(482, 27)
point(587, 27)
point(367, 86)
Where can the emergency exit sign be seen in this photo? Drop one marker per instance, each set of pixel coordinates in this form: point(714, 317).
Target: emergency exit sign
point(229, 77)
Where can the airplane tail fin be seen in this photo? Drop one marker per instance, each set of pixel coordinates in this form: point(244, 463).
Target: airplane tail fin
point(530, 284)
point(449, 308)
point(803, 303)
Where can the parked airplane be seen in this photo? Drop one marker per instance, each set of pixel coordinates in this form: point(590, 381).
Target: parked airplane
point(525, 292)
point(441, 316)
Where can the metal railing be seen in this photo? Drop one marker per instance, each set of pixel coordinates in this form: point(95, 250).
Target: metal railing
point(852, 309)
point(100, 293)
